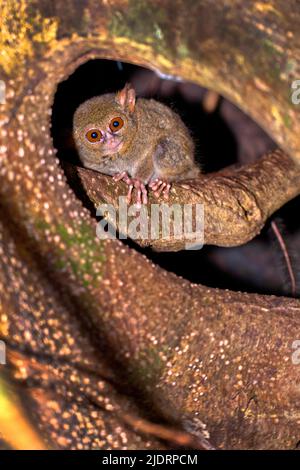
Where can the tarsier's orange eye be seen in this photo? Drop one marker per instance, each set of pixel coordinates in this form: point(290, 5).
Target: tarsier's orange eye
point(116, 124)
point(93, 135)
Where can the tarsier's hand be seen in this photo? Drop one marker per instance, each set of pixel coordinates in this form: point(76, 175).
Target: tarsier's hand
point(142, 196)
point(158, 186)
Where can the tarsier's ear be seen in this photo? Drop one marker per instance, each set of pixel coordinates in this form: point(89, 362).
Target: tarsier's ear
point(126, 97)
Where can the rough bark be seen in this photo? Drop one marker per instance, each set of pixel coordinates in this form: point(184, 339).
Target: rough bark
point(236, 201)
point(88, 319)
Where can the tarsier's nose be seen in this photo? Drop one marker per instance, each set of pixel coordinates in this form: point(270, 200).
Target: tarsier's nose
point(109, 135)
point(110, 141)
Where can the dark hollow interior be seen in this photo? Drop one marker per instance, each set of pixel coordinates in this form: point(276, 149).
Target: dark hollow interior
point(223, 137)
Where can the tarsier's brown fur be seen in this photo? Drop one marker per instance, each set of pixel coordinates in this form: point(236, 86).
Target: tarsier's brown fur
point(152, 148)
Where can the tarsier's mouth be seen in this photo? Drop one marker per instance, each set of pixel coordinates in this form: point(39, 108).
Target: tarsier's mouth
point(111, 146)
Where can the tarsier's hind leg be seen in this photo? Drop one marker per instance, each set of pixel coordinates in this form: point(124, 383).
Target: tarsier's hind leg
point(159, 186)
point(172, 162)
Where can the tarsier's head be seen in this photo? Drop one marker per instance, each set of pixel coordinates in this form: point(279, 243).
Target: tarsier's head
point(105, 125)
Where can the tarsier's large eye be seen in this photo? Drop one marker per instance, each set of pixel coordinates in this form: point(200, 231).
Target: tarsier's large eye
point(93, 135)
point(116, 124)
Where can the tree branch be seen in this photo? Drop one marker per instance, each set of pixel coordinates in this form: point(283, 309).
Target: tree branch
point(237, 201)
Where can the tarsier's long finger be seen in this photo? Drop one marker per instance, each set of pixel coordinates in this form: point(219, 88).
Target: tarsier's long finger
point(119, 176)
point(139, 196)
point(166, 191)
point(160, 189)
point(155, 184)
point(144, 194)
point(151, 183)
point(123, 176)
point(127, 179)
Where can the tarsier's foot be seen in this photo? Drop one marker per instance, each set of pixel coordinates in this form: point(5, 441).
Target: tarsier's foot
point(142, 196)
point(159, 187)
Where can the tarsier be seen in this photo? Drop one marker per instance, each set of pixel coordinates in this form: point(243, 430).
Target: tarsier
point(140, 141)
